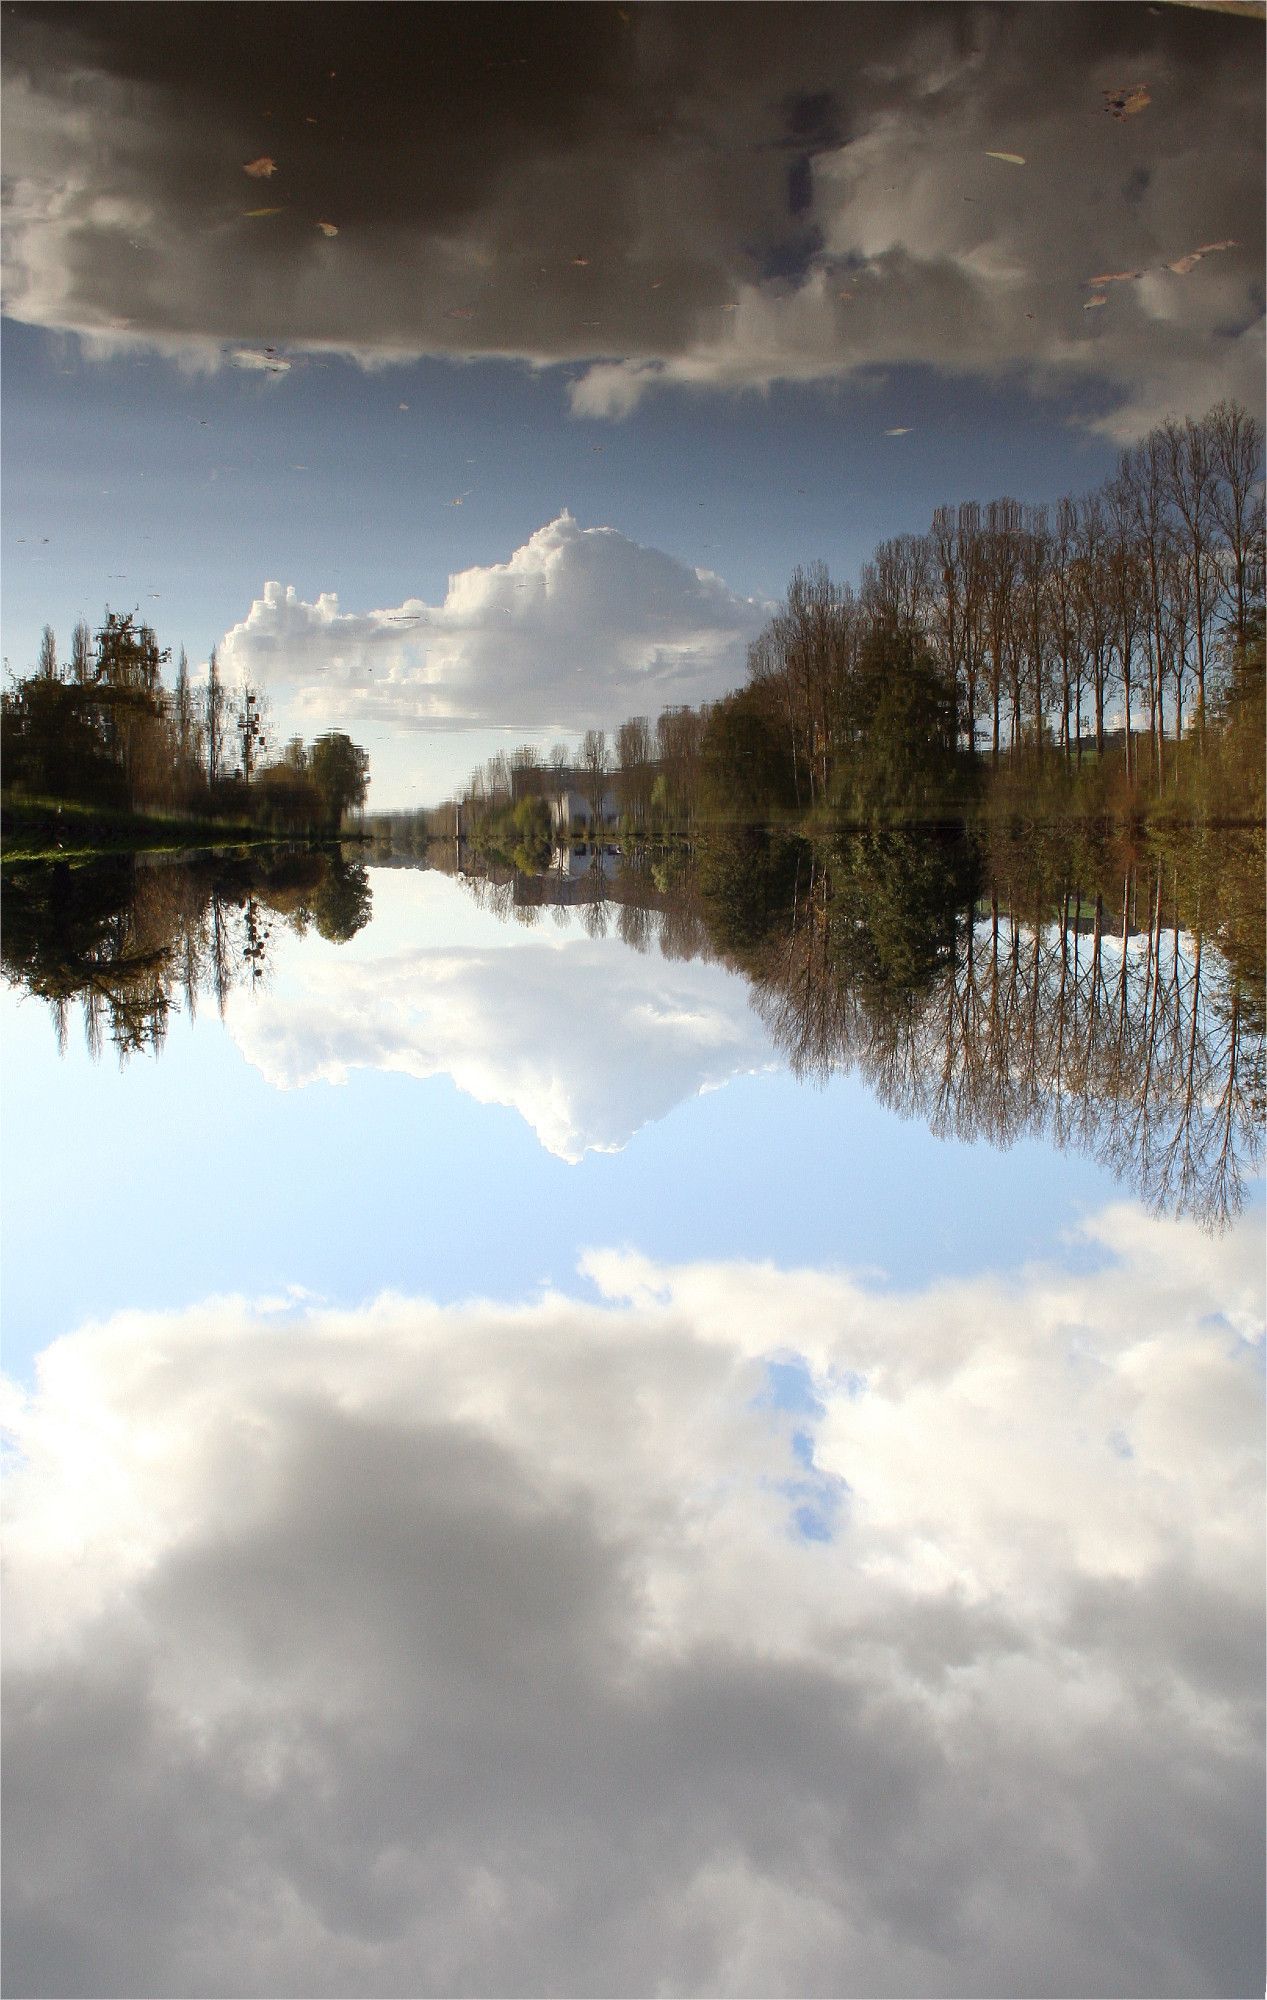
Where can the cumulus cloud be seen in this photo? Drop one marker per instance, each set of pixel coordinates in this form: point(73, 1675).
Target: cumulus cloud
point(737, 1630)
point(587, 1040)
point(815, 194)
point(580, 627)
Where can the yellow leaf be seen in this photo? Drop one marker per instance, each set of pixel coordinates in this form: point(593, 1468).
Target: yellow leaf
point(1091, 304)
point(328, 228)
point(261, 169)
point(1127, 103)
point(1013, 159)
point(252, 212)
point(1182, 265)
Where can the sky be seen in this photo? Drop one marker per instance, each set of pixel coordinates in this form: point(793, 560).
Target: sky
point(469, 381)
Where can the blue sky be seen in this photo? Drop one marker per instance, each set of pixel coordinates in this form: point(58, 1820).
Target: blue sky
point(201, 488)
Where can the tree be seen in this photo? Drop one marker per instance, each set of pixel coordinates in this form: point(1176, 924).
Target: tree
point(249, 727)
point(340, 770)
point(47, 668)
point(595, 767)
point(216, 704)
point(81, 662)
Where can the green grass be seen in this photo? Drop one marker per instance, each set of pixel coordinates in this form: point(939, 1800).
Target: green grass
point(35, 829)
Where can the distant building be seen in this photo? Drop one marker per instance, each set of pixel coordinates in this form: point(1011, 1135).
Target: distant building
point(571, 810)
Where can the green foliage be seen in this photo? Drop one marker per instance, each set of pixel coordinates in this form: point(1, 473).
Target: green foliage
point(745, 766)
point(748, 881)
point(103, 733)
point(343, 902)
point(901, 757)
point(339, 769)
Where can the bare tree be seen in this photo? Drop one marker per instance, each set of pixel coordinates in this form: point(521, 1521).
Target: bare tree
point(595, 768)
point(1192, 484)
point(1237, 444)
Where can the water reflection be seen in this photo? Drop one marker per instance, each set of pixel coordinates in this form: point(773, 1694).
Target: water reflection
point(128, 937)
point(722, 1630)
point(1111, 1001)
point(1108, 1000)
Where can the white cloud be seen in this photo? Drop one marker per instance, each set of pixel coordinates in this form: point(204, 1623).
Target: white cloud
point(580, 627)
point(742, 1631)
point(589, 1041)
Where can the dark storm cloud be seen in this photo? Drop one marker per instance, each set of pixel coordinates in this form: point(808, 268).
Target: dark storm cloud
point(669, 193)
point(474, 1649)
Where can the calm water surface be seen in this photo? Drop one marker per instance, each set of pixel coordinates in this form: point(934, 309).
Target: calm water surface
point(693, 1427)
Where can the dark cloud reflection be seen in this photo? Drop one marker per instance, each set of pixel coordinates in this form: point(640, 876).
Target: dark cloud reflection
point(710, 195)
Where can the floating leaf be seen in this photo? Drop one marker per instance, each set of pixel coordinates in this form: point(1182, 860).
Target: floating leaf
point(900, 431)
point(1101, 299)
point(261, 169)
point(1182, 265)
point(328, 228)
point(1126, 103)
point(460, 312)
point(1013, 159)
point(1114, 278)
point(580, 260)
point(252, 212)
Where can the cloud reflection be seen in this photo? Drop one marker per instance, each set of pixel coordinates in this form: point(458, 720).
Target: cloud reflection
point(589, 1041)
point(661, 195)
point(411, 1650)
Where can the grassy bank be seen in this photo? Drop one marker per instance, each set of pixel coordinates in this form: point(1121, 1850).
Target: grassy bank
point(60, 830)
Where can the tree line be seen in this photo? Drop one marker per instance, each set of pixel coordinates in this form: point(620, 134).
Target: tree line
point(1106, 649)
point(104, 729)
point(131, 944)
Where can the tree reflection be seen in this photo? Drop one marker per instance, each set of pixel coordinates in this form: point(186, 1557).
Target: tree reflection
point(129, 938)
point(1104, 999)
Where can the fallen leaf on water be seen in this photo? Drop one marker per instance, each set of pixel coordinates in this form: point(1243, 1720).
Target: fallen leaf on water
point(460, 312)
point(730, 307)
point(1013, 159)
point(900, 431)
point(261, 211)
point(846, 295)
point(1125, 103)
point(402, 406)
point(260, 169)
point(1101, 299)
point(328, 228)
point(580, 260)
point(1182, 265)
point(1113, 278)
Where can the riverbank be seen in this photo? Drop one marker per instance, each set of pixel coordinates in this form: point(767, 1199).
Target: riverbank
point(60, 830)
